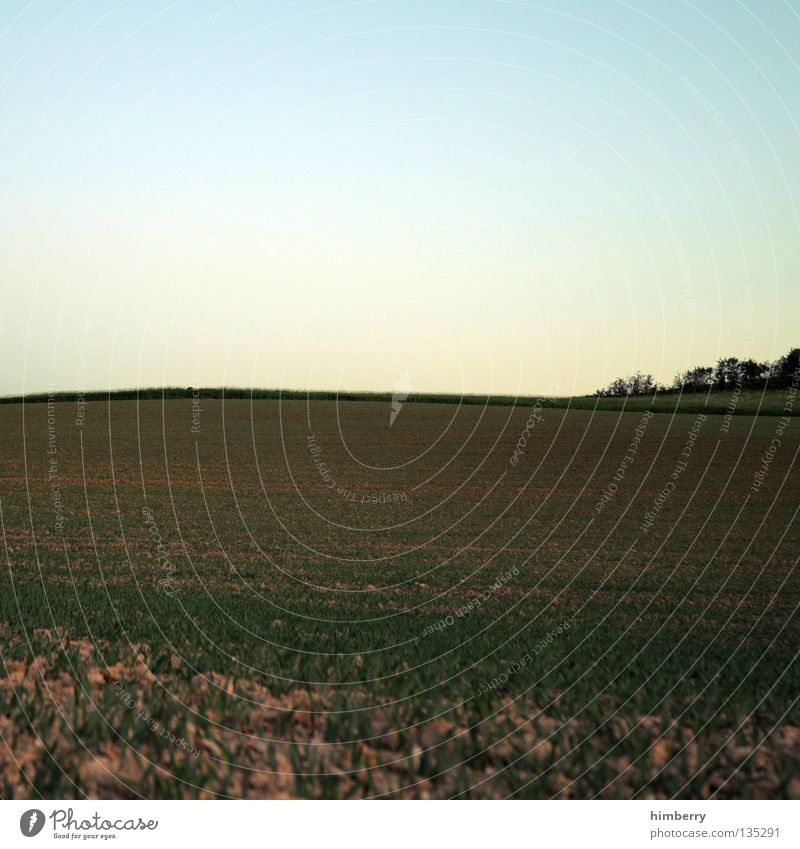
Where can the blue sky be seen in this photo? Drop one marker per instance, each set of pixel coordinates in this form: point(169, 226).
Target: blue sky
point(473, 196)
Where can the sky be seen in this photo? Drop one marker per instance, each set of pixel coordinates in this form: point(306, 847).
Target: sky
point(472, 196)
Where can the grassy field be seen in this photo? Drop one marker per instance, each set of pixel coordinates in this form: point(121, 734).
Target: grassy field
point(768, 402)
point(279, 598)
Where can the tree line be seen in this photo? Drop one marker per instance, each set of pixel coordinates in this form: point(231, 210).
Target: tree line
point(729, 373)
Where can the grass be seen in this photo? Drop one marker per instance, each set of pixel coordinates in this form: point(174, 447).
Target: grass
point(767, 402)
point(493, 633)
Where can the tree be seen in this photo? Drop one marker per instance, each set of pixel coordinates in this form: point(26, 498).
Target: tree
point(636, 384)
point(698, 379)
point(754, 375)
point(726, 373)
point(785, 369)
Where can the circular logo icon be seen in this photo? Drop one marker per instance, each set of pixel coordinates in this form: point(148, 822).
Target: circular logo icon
point(31, 822)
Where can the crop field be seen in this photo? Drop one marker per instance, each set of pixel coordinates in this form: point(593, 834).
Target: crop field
point(281, 598)
point(762, 402)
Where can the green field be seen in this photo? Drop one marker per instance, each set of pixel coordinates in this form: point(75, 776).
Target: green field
point(281, 598)
point(768, 402)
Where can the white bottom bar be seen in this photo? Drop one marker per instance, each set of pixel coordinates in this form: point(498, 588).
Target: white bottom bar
point(401, 825)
